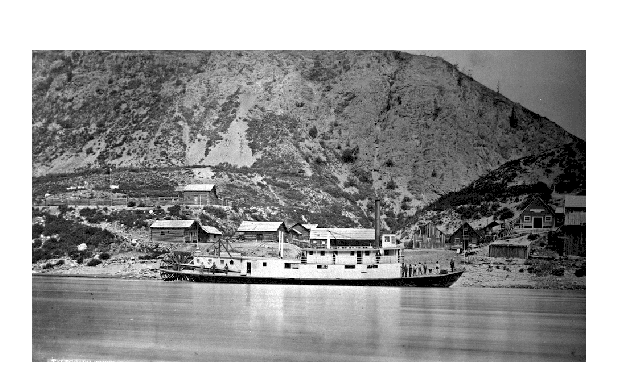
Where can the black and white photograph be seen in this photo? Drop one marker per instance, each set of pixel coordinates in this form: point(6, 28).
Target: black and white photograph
point(295, 202)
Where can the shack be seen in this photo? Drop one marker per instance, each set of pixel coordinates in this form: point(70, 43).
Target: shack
point(464, 236)
point(506, 248)
point(198, 194)
point(261, 231)
point(296, 231)
point(428, 236)
point(575, 210)
point(342, 237)
point(175, 231)
point(210, 234)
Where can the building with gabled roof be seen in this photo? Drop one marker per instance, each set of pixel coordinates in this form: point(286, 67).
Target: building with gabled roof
point(198, 194)
point(259, 231)
point(537, 214)
point(464, 236)
point(182, 231)
point(427, 235)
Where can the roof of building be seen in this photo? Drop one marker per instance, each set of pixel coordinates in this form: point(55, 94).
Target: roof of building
point(343, 233)
point(175, 223)
point(195, 188)
point(289, 223)
point(259, 226)
point(559, 210)
point(512, 243)
point(543, 203)
point(574, 201)
point(310, 226)
point(211, 230)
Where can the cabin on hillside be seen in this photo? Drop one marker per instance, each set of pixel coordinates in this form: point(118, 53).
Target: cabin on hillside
point(296, 231)
point(261, 231)
point(198, 194)
point(182, 231)
point(428, 236)
point(537, 215)
point(464, 236)
point(342, 237)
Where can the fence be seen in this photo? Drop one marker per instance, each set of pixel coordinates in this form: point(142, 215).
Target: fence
point(141, 201)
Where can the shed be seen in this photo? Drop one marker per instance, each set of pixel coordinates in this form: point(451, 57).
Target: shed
point(428, 236)
point(506, 248)
point(268, 231)
point(198, 194)
point(296, 230)
point(574, 210)
point(211, 233)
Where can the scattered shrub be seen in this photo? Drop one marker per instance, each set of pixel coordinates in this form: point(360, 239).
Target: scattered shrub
point(60, 262)
point(131, 204)
point(532, 237)
point(104, 256)
point(48, 266)
point(80, 260)
point(581, 272)
point(313, 132)
point(94, 262)
point(557, 272)
point(391, 184)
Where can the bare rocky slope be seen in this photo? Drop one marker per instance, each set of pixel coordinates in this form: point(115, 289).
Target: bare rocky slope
point(297, 133)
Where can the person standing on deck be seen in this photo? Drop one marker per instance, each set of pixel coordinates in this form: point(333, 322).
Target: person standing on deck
point(437, 267)
point(452, 265)
point(425, 269)
point(410, 270)
point(226, 269)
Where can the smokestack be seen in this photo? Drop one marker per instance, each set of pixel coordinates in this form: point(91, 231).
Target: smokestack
point(377, 223)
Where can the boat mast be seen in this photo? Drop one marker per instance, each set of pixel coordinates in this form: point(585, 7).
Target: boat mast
point(377, 222)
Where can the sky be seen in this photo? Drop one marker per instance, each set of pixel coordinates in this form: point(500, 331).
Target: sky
point(551, 83)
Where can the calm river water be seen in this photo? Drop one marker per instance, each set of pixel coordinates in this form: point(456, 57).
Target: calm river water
point(122, 320)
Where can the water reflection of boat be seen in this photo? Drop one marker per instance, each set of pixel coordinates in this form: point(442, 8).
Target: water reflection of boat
point(356, 266)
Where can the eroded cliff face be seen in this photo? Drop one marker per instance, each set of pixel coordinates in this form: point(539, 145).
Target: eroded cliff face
point(402, 125)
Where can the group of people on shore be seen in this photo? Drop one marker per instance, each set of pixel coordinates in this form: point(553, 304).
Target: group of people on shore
point(420, 269)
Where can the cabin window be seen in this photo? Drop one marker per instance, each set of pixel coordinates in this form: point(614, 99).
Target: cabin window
point(527, 218)
point(310, 253)
point(163, 233)
point(287, 265)
point(321, 266)
point(547, 218)
point(336, 253)
point(349, 266)
point(264, 264)
point(367, 253)
point(352, 253)
point(323, 253)
point(232, 262)
point(221, 261)
point(386, 239)
point(372, 266)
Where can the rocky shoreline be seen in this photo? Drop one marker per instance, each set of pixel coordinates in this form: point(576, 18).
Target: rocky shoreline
point(480, 271)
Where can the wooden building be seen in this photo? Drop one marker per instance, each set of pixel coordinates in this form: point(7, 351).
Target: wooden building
point(296, 231)
point(179, 231)
point(428, 236)
point(575, 210)
point(261, 231)
point(537, 214)
point(342, 237)
point(210, 234)
point(464, 236)
point(198, 194)
point(512, 249)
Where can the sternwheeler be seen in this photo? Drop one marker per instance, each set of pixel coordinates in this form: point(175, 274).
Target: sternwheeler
point(378, 265)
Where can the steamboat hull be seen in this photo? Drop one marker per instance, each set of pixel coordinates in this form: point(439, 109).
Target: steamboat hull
point(439, 280)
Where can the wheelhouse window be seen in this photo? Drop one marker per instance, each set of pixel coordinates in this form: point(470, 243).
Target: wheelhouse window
point(232, 262)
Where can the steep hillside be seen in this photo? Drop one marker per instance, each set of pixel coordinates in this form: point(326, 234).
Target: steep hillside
point(504, 192)
point(324, 127)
